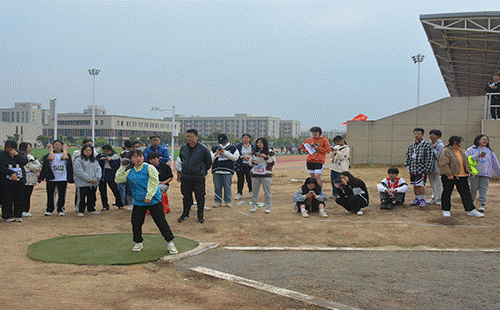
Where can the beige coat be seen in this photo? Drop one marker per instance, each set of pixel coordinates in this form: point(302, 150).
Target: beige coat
point(448, 163)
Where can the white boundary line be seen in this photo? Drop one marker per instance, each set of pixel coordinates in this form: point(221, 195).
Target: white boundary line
point(331, 249)
point(273, 289)
point(405, 223)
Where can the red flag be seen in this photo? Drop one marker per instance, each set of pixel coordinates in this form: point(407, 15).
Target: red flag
point(358, 118)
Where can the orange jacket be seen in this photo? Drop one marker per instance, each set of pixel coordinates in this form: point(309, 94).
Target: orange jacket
point(323, 149)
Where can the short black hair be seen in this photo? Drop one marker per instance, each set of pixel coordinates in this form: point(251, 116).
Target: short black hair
point(316, 129)
point(107, 147)
point(23, 146)
point(419, 129)
point(246, 134)
point(154, 136)
point(85, 141)
point(338, 138)
point(10, 144)
point(454, 140)
point(136, 153)
point(436, 132)
point(57, 140)
point(393, 170)
point(193, 131)
point(153, 155)
point(127, 143)
point(136, 142)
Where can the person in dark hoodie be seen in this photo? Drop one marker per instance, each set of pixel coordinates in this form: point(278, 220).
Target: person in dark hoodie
point(12, 179)
point(224, 155)
point(57, 170)
point(110, 162)
point(353, 193)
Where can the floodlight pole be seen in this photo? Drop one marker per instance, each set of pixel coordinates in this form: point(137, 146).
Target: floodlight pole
point(173, 131)
point(55, 120)
point(418, 59)
point(93, 72)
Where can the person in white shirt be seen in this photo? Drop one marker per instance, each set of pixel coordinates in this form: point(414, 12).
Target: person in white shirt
point(392, 189)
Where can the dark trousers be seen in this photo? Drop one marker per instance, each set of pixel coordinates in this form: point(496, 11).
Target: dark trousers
point(334, 175)
point(188, 187)
point(27, 191)
point(495, 111)
point(462, 184)
point(87, 198)
point(61, 193)
point(398, 197)
point(156, 211)
point(104, 194)
point(311, 206)
point(12, 200)
point(351, 203)
point(244, 174)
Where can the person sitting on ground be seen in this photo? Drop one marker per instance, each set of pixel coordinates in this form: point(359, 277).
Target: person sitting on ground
point(392, 189)
point(310, 198)
point(353, 193)
point(164, 171)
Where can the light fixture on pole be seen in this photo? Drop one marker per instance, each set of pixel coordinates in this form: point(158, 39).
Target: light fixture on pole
point(174, 132)
point(93, 72)
point(418, 59)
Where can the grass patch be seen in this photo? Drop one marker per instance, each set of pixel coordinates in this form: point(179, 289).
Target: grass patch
point(106, 249)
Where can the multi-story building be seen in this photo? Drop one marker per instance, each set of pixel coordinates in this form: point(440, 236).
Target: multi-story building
point(25, 119)
point(257, 126)
point(290, 128)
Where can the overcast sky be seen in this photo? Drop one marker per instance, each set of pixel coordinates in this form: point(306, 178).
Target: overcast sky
point(319, 62)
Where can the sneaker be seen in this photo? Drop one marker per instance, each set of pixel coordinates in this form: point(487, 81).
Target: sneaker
point(130, 208)
point(61, 213)
point(18, 219)
point(182, 218)
point(253, 208)
point(268, 209)
point(238, 197)
point(95, 212)
point(201, 220)
point(49, 213)
point(384, 205)
point(27, 214)
point(446, 214)
point(217, 205)
point(120, 208)
point(422, 204)
point(415, 202)
point(322, 213)
point(432, 201)
point(390, 206)
point(304, 213)
point(206, 208)
point(9, 220)
point(475, 213)
point(137, 247)
point(105, 209)
point(481, 208)
point(438, 202)
point(171, 248)
point(229, 205)
point(80, 214)
point(359, 212)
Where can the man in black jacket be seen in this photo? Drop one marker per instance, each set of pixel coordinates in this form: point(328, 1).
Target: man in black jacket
point(109, 162)
point(192, 165)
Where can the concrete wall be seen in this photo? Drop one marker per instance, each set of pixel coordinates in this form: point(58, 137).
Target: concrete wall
point(385, 141)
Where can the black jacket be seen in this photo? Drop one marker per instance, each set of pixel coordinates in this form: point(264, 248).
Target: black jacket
point(47, 174)
point(8, 163)
point(195, 162)
point(164, 171)
point(108, 175)
point(356, 188)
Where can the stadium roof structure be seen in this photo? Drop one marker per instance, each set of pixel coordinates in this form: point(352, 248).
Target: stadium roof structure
point(467, 49)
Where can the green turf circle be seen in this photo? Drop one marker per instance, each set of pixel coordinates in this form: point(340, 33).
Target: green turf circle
point(106, 249)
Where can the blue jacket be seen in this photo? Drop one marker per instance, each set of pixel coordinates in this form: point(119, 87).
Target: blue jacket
point(162, 151)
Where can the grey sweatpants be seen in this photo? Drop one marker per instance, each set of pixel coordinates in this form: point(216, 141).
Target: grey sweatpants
point(436, 185)
point(266, 186)
point(479, 183)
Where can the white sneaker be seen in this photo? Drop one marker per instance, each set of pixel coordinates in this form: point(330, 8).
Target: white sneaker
point(137, 247)
point(359, 212)
point(205, 208)
point(446, 214)
point(238, 197)
point(130, 208)
point(217, 205)
point(253, 208)
point(432, 201)
point(18, 219)
point(438, 203)
point(481, 208)
point(80, 214)
point(9, 220)
point(49, 213)
point(229, 205)
point(322, 213)
point(171, 248)
point(61, 213)
point(475, 213)
point(304, 213)
point(27, 214)
point(268, 209)
point(95, 212)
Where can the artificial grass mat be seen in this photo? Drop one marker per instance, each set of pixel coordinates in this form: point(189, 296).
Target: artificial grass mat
point(106, 249)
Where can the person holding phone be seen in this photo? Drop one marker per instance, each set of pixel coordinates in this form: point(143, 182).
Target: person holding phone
point(485, 162)
point(310, 198)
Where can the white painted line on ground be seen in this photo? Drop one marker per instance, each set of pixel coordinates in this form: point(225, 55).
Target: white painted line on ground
point(331, 249)
point(202, 247)
point(273, 289)
point(406, 223)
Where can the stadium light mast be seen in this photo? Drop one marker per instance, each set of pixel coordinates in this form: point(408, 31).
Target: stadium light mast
point(93, 72)
point(418, 59)
point(174, 132)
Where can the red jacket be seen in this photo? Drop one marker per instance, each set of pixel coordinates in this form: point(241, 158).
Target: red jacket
point(323, 149)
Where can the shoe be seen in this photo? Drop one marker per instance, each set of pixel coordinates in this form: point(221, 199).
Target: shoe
point(130, 208)
point(80, 214)
point(105, 209)
point(253, 208)
point(238, 197)
point(171, 248)
point(384, 205)
point(217, 205)
point(49, 213)
point(475, 213)
point(250, 194)
point(438, 202)
point(359, 212)
point(206, 208)
point(182, 218)
point(390, 206)
point(137, 247)
point(304, 213)
point(95, 212)
point(432, 201)
point(322, 213)
point(481, 208)
point(446, 214)
point(422, 204)
point(268, 209)
point(415, 202)
point(201, 220)
point(18, 219)
point(27, 214)
point(9, 220)
point(120, 208)
point(229, 205)
point(61, 213)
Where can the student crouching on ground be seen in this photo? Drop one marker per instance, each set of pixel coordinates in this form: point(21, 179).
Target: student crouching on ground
point(353, 193)
point(310, 198)
point(392, 189)
point(143, 182)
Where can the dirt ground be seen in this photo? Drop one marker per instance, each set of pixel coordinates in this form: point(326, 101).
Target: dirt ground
point(28, 284)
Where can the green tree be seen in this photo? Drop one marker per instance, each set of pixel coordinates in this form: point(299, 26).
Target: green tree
point(144, 139)
point(70, 140)
point(43, 139)
point(16, 137)
point(100, 141)
point(132, 138)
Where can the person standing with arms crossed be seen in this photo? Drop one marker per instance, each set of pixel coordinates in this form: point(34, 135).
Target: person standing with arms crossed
point(419, 160)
